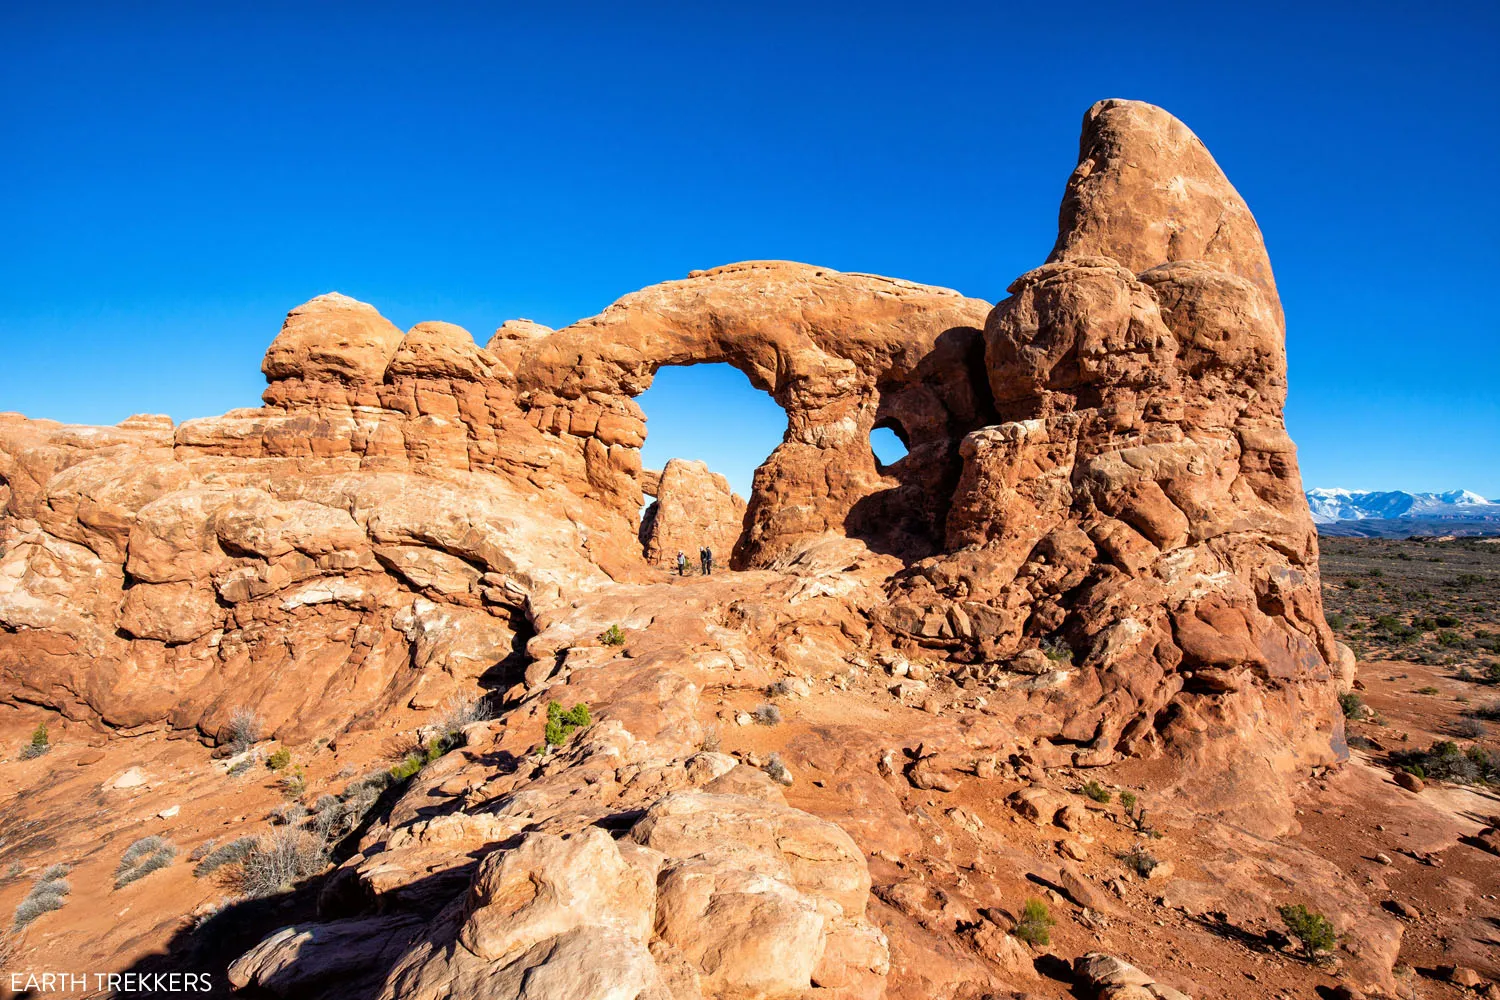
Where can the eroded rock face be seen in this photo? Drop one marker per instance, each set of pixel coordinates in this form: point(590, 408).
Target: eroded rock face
point(694, 507)
point(1138, 507)
point(1099, 533)
point(718, 890)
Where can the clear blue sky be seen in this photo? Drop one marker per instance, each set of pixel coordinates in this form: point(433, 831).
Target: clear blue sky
point(175, 177)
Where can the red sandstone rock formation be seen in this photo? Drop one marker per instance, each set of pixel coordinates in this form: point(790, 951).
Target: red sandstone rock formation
point(1099, 525)
point(694, 507)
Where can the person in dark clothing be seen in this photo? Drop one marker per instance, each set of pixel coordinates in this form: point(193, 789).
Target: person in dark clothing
point(681, 563)
point(703, 559)
point(708, 560)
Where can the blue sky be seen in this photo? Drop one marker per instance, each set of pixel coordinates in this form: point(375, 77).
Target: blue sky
point(176, 177)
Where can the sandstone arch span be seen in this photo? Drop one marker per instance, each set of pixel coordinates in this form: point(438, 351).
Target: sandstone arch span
point(839, 352)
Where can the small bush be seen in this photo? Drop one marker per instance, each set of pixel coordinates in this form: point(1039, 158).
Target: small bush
point(1058, 652)
point(1352, 704)
point(39, 744)
point(1035, 925)
point(1427, 690)
point(215, 858)
point(1336, 621)
point(243, 730)
point(1097, 792)
point(1141, 861)
point(142, 858)
point(276, 862)
point(48, 894)
point(280, 759)
point(1471, 728)
point(294, 782)
point(712, 741)
point(1314, 930)
point(461, 711)
point(777, 770)
point(1490, 711)
point(201, 851)
point(243, 766)
point(780, 689)
point(563, 723)
point(612, 636)
point(766, 715)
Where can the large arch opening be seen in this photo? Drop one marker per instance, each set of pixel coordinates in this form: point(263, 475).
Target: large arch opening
point(710, 414)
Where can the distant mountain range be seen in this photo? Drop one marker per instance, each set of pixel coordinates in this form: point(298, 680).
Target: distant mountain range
point(1399, 513)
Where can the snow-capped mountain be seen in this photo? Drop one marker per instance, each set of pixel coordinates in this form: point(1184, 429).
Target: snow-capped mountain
point(1332, 505)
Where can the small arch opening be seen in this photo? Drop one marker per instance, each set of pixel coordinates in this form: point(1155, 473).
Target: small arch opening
point(888, 443)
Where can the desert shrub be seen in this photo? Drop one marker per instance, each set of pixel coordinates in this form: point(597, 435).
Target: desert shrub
point(1135, 810)
point(1097, 792)
point(1464, 581)
point(1429, 689)
point(408, 767)
point(612, 636)
point(1471, 728)
point(1314, 930)
point(39, 743)
point(1336, 621)
point(1057, 651)
point(461, 711)
point(777, 770)
point(242, 767)
point(1490, 711)
point(1352, 704)
point(1464, 674)
point(1377, 571)
point(1446, 621)
point(780, 689)
point(1446, 760)
point(712, 741)
point(142, 858)
point(1140, 861)
point(766, 715)
point(243, 730)
point(276, 862)
point(280, 759)
point(48, 894)
point(201, 851)
point(288, 813)
point(215, 858)
point(1352, 583)
point(1492, 672)
point(563, 723)
point(294, 782)
point(1035, 925)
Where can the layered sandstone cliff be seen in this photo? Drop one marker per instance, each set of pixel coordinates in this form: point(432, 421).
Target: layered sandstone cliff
point(1098, 536)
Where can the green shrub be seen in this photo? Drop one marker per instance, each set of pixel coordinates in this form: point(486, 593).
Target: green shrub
point(280, 759)
point(1429, 689)
point(1314, 930)
point(1097, 792)
point(612, 636)
point(1352, 704)
point(563, 723)
point(1035, 925)
point(39, 744)
point(1058, 652)
point(142, 858)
